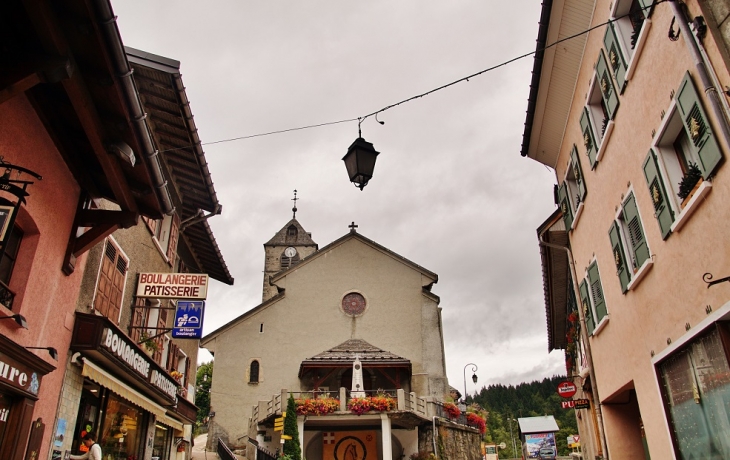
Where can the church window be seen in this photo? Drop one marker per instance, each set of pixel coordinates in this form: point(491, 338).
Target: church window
point(253, 374)
point(353, 304)
point(291, 233)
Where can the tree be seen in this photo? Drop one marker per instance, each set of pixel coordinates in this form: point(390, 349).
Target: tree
point(203, 381)
point(292, 449)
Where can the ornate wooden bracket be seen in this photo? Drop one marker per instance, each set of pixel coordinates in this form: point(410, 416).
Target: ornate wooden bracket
point(99, 223)
point(707, 278)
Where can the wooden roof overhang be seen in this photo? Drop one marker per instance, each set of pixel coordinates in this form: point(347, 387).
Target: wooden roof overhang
point(556, 279)
point(343, 356)
point(68, 59)
point(169, 116)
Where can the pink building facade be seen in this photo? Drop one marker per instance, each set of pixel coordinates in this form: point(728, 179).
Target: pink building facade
point(633, 118)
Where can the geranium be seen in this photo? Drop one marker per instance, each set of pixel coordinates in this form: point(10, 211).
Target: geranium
point(476, 421)
point(382, 403)
point(452, 411)
point(176, 375)
point(318, 406)
point(359, 405)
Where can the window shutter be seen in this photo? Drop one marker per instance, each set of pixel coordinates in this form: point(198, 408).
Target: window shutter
point(608, 92)
point(615, 56)
point(624, 275)
point(186, 378)
point(659, 198)
point(565, 206)
point(578, 173)
point(636, 232)
point(172, 242)
point(586, 305)
point(646, 7)
point(597, 292)
point(110, 286)
point(589, 140)
point(697, 126)
point(139, 319)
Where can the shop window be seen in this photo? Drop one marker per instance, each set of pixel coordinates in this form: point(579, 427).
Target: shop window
point(682, 161)
point(572, 191)
point(253, 373)
point(162, 443)
point(625, 37)
point(696, 387)
point(628, 245)
point(122, 429)
point(592, 300)
point(110, 283)
point(7, 264)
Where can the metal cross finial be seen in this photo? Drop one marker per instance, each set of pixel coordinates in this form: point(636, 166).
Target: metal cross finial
point(352, 227)
point(294, 209)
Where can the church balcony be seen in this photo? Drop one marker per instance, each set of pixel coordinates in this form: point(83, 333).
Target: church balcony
point(330, 410)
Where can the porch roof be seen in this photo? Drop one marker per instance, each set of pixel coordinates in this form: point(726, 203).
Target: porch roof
point(344, 354)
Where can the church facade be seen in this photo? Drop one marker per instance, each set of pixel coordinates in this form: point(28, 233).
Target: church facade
point(322, 310)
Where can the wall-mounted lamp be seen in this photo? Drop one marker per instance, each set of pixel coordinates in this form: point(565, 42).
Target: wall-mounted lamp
point(360, 160)
point(18, 318)
point(51, 351)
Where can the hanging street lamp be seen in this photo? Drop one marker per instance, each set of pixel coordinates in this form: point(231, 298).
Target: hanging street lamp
point(360, 160)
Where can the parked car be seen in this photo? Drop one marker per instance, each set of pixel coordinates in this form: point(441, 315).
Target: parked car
point(546, 453)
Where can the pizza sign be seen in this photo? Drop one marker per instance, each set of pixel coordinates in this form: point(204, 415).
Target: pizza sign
point(566, 389)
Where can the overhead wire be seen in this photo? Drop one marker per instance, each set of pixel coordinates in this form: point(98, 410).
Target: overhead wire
point(362, 118)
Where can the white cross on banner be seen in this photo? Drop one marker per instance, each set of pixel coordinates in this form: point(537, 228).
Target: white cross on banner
point(329, 438)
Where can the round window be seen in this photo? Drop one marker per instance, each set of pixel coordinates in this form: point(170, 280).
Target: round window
point(353, 304)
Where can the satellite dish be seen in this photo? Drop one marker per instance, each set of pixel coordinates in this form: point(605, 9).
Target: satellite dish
point(502, 445)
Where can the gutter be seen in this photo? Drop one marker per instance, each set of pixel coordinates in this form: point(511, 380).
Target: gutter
point(584, 338)
point(107, 23)
point(547, 6)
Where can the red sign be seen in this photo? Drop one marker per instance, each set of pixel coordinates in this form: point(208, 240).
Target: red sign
point(576, 438)
point(567, 404)
point(566, 389)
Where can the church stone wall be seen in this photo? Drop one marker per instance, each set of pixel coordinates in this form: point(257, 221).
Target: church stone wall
point(453, 442)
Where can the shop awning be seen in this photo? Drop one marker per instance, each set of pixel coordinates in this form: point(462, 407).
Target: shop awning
point(107, 380)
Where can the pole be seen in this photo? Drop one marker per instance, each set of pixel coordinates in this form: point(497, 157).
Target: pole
point(511, 436)
point(473, 369)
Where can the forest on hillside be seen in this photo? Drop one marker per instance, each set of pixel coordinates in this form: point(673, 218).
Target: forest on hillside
point(508, 403)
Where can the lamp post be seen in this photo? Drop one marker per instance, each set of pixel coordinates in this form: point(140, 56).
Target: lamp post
point(473, 377)
point(514, 448)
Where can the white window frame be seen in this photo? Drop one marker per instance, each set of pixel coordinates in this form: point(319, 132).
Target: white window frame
point(573, 193)
point(594, 104)
point(623, 32)
point(669, 170)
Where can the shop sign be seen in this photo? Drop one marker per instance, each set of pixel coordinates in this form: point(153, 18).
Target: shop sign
point(173, 286)
point(120, 346)
point(18, 375)
point(576, 404)
point(188, 319)
point(126, 351)
point(566, 389)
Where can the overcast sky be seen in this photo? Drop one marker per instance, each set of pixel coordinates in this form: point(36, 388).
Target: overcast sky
point(450, 190)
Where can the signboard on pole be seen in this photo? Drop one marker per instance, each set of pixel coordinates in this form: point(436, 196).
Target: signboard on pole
point(188, 319)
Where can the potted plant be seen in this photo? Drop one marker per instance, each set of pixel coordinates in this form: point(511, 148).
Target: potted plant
point(317, 406)
point(452, 411)
point(689, 183)
point(149, 344)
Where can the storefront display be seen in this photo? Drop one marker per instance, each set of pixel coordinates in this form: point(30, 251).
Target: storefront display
point(162, 443)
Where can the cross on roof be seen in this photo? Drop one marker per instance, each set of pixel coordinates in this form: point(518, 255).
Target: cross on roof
point(294, 209)
point(352, 227)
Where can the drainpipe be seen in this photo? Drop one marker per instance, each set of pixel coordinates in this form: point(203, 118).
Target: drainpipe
point(433, 434)
point(709, 88)
point(107, 23)
point(603, 453)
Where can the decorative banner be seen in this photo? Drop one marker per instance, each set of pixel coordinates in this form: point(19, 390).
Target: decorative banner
point(188, 319)
point(350, 445)
point(173, 285)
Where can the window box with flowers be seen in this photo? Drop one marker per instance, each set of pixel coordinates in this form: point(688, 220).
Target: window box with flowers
point(475, 420)
point(380, 402)
point(317, 406)
point(177, 376)
point(452, 411)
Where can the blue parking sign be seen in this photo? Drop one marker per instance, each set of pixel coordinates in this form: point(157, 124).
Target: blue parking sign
point(188, 319)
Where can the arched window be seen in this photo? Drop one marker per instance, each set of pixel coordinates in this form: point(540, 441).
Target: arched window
point(253, 374)
point(291, 234)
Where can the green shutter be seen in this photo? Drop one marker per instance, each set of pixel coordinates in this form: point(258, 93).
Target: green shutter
point(646, 7)
point(605, 83)
point(586, 306)
point(578, 173)
point(599, 303)
point(565, 205)
point(698, 127)
point(635, 230)
point(589, 140)
point(662, 211)
point(615, 56)
point(617, 247)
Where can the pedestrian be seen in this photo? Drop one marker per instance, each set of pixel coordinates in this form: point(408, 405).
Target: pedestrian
point(94, 452)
